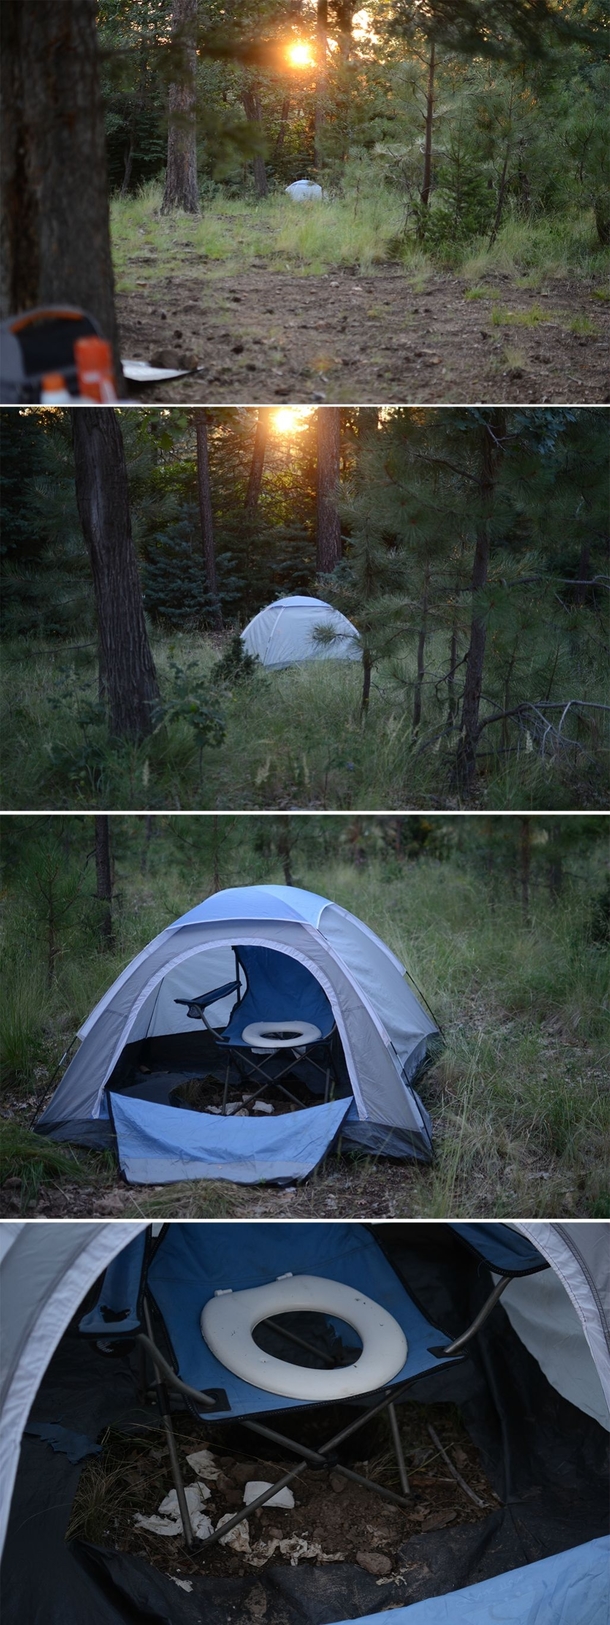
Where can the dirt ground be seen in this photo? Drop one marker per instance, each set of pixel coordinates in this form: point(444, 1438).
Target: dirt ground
point(335, 1519)
point(343, 337)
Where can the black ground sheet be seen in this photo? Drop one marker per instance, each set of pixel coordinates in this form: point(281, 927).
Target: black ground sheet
point(545, 1459)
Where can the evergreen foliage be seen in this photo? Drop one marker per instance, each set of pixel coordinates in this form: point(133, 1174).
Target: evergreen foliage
point(414, 509)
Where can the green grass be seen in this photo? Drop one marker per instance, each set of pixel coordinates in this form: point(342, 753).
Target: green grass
point(557, 246)
point(231, 233)
point(293, 738)
point(519, 1099)
point(363, 226)
point(27, 1158)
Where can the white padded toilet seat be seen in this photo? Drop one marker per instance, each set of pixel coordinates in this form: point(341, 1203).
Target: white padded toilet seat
point(229, 1318)
point(260, 1035)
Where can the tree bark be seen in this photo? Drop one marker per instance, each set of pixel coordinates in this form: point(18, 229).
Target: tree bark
point(255, 478)
point(281, 134)
point(367, 422)
point(367, 668)
point(181, 190)
point(103, 875)
point(584, 566)
point(55, 224)
point(427, 181)
point(204, 492)
point(345, 11)
point(327, 481)
point(491, 453)
point(421, 650)
point(252, 110)
point(525, 862)
point(453, 655)
point(102, 495)
point(321, 80)
point(285, 841)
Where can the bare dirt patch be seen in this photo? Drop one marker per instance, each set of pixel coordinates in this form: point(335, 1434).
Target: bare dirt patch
point(339, 336)
point(344, 1521)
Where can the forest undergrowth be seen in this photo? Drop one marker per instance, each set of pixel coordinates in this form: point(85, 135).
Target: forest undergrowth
point(280, 740)
point(519, 1098)
point(362, 227)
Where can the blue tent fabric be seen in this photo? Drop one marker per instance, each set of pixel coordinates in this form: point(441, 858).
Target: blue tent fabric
point(571, 1588)
point(279, 989)
point(76, 1446)
point(505, 1250)
point(257, 902)
point(194, 1261)
point(158, 1145)
point(116, 1309)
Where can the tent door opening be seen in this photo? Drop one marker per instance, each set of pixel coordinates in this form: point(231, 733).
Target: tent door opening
point(279, 1051)
point(210, 1103)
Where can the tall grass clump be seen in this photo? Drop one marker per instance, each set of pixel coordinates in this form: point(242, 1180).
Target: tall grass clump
point(352, 228)
point(291, 738)
point(25, 1012)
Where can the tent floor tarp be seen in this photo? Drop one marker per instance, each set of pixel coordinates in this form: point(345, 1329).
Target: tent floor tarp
point(571, 1588)
point(545, 1459)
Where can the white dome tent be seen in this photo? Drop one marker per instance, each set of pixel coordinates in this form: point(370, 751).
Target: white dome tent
point(46, 1272)
point(289, 954)
point(304, 191)
point(285, 633)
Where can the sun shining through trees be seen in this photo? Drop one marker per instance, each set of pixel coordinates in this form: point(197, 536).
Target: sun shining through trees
point(300, 54)
point(291, 419)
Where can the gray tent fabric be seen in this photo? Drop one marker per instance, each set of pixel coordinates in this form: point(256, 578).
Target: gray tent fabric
point(549, 1475)
point(384, 1031)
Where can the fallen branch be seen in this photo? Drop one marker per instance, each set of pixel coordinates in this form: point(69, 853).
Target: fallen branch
point(453, 1470)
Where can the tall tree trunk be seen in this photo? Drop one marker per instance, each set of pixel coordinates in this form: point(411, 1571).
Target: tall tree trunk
point(285, 842)
point(55, 225)
point(453, 654)
point(345, 11)
point(367, 422)
point(149, 827)
point(367, 668)
point(103, 875)
point(252, 109)
point(491, 452)
point(204, 492)
point(503, 178)
point(584, 566)
point(321, 80)
point(181, 191)
point(102, 495)
point(281, 134)
point(216, 881)
point(327, 481)
point(138, 104)
point(427, 181)
point(421, 651)
point(525, 863)
point(255, 478)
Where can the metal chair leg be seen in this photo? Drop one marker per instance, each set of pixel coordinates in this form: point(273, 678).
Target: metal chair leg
point(162, 1397)
point(398, 1450)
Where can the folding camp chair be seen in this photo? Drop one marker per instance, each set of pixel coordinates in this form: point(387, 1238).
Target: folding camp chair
point(288, 997)
point(169, 1289)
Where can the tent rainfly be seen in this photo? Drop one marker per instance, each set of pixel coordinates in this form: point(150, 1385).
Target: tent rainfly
point(302, 952)
point(560, 1342)
point(286, 633)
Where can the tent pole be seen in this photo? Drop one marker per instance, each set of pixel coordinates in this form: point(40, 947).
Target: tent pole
point(162, 1397)
point(460, 1342)
point(398, 1450)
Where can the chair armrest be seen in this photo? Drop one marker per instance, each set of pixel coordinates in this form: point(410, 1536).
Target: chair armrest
point(200, 1001)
